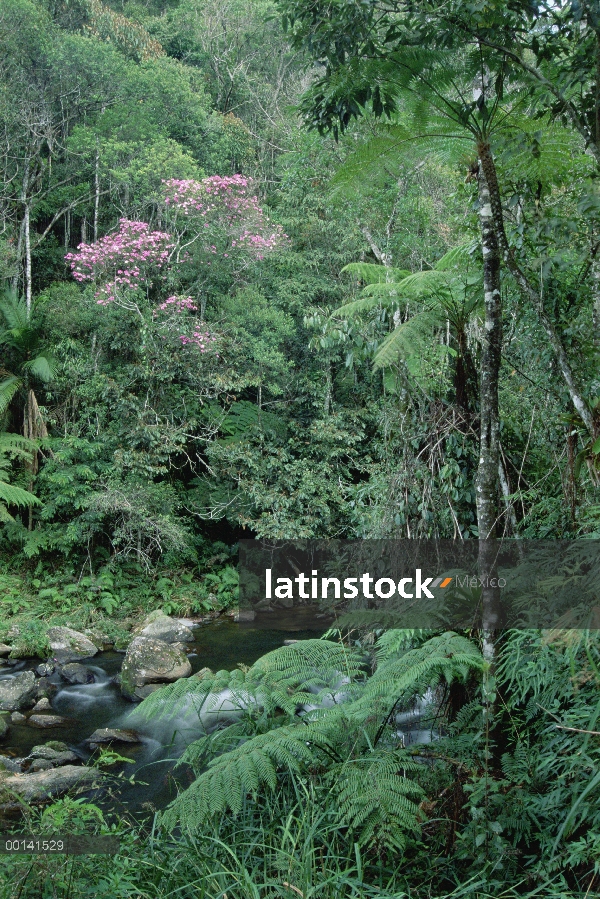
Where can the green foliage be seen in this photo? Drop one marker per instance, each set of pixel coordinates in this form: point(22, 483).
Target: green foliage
point(340, 740)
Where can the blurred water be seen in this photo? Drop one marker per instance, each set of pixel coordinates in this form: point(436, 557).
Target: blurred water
point(222, 644)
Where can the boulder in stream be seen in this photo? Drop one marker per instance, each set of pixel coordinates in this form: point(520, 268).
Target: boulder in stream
point(5, 649)
point(17, 692)
point(113, 735)
point(54, 757)
point(45, 669)
point(4, 724)
point(42, 705)
point(151, 661)
point(68, 645)
point(76, 673)
point(18, 718)
point(47, 784)
point(168, 629)
point(47, 721)
point(45, 688)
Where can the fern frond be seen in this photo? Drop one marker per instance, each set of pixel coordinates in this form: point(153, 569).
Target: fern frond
point(366, 304)
point(42, 367)
point(447, 656)
point(8, 388)
point(246, 769)
point(14, 311)
point(372, 273)
point(406, 339)
point(376, 799)
point(397, 641)
point(16, 496)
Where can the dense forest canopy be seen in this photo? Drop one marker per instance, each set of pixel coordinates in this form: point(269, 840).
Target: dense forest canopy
point(304, 269)
point(285, 427)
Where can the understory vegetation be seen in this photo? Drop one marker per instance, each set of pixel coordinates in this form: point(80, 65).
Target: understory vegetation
point(289, 269)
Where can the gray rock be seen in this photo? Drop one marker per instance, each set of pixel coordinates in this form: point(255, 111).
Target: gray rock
point(168, 629)
point(13, 765)
point(45, 669)
point(47, 721)
point(18, 718)
point(47, 784)
point(4, 724)
point(17, 692)
point(113, 735)
point(68, 645)
point(151, 661)
point(76, 673)
point(45, 688)
point(42, 705)
point(41, 765)
point(57, 745)
point(54, 756)
point(5, 649)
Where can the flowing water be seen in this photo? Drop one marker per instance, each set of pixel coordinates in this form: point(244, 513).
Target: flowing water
point(221, 644)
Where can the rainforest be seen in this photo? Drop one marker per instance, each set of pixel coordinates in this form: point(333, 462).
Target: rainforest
point(290, 273)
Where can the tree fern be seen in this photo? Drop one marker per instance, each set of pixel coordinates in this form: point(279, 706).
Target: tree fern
point(448, 292)
point(338, 744)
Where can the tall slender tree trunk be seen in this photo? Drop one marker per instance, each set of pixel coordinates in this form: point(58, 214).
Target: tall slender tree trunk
point(96, 192)
point(27, 229)
point(489, 442)
point(487, 481)
point(530, 294)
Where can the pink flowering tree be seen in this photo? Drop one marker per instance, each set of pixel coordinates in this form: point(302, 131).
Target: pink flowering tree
point(172, 317)
point(221, 229)
point(122, 264)
point(217, 228)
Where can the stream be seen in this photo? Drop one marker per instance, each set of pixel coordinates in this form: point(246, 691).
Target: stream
point(221, 644)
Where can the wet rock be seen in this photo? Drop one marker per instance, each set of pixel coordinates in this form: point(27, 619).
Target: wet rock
point(76, 673)
point(5, 649)
point(113, 735)
point(45, 669)
point(58, 745)
point(47, 784)
point(53, 756)
point(45, 688)
point(168, 629)
point(17, 692)
point(40, 765)
point(4, 725)
point(151, 661)
point(68, 645)
point(18, 718)
point(15, 766)
point(47, 721)
point(42, 705)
